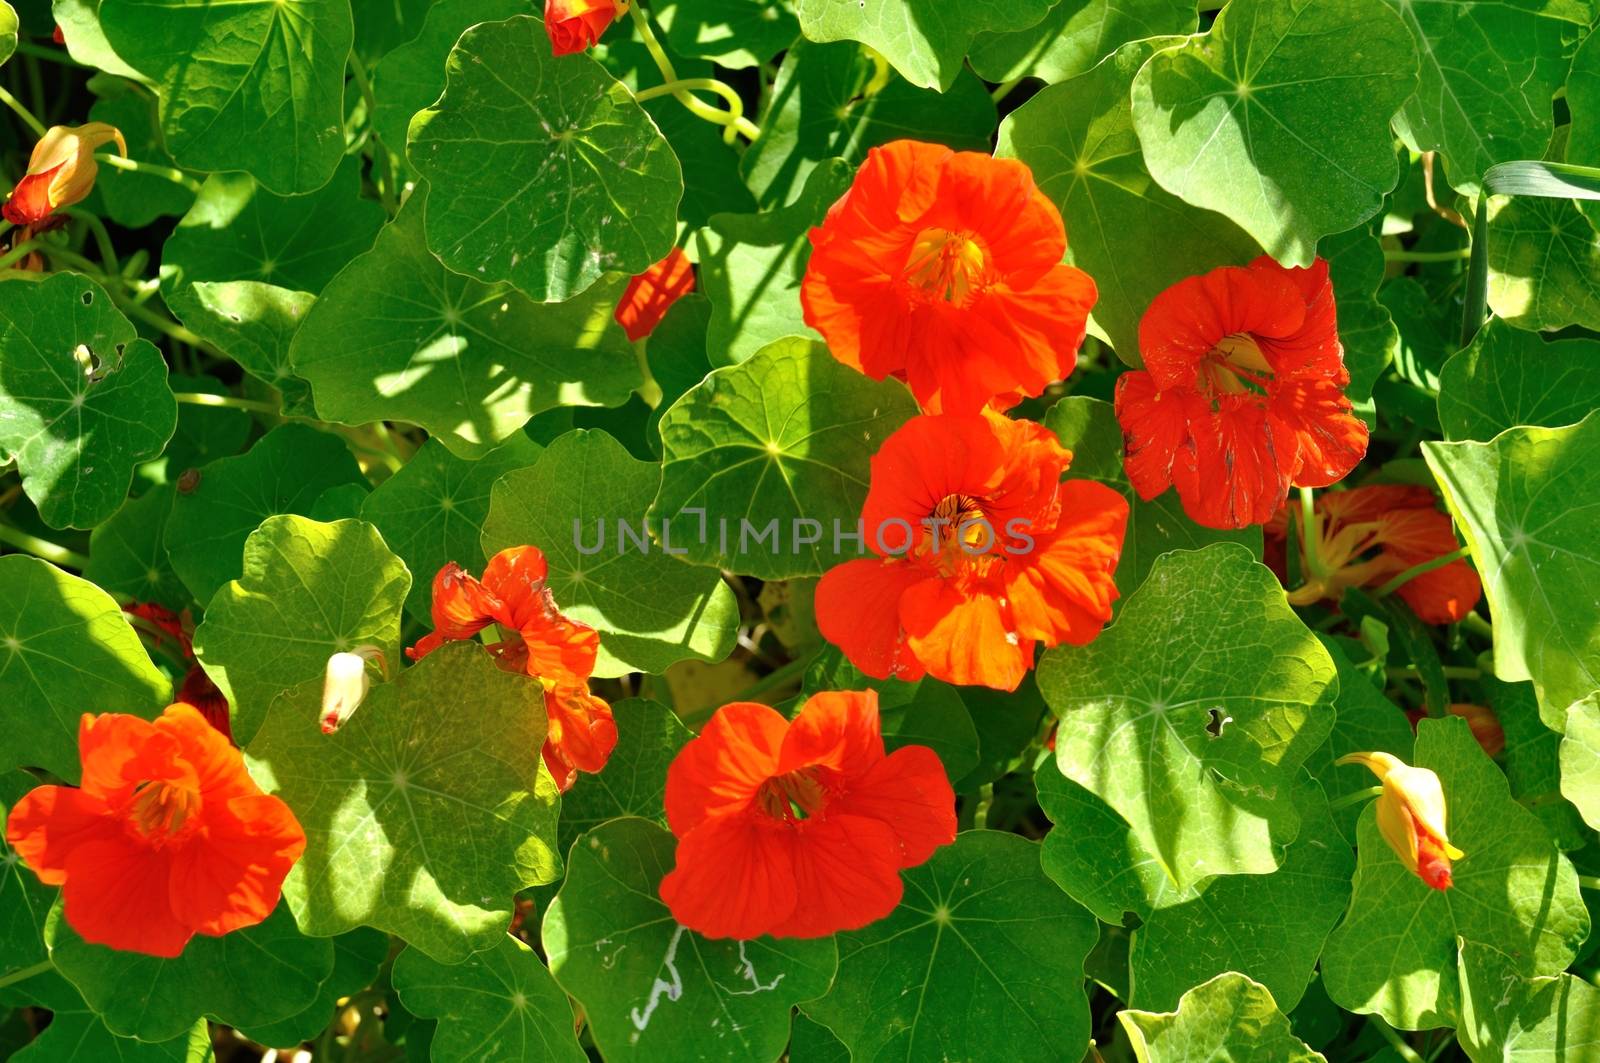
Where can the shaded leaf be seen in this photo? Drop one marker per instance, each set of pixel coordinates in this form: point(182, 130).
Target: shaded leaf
point(127, 555)
point(1509, 377)
point(634, 780)
point(1075, 35)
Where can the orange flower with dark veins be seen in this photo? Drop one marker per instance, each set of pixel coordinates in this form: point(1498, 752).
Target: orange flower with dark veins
point(575, 25)
point(983, 552)
point(538, 640)
point(1368, 535)
point(944, 269)
point(61, 171)
point(1241, 395)
point(651, 294)
point(799, 829)
point(168, 836)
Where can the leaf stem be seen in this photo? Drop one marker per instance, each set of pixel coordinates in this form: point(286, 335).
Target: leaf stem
point(154, 169)
point(102, 239)
point(205, 398)
point(1457, 255)
point(1589, 882)
point(1475, 303)
point(1311, 533)
point(18, 253)
point(1417, 570)
point(22, 112)
point(1354, 798)
point(1398, 1043)
point(1004, 89)
point(25, 973)
point(44, 548)
point(1450, 671)
point(732, 120)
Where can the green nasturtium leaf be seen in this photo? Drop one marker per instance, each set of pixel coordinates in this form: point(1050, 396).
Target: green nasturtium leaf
point(24, 900)
point(432, 510)
point(926, 40)
point(1094, 855)
point(543, 170)
point(65, 649)
point(397, 336)
point(1229, 1017)
point(1511, 1018)
point(784, 438)
point(135, 199)
point(584, 503)
point(1278, 116)
point(82, 398)
point(1366, 329)
point(308, 590)
point(1192, 713)
point(127, 555)
point(357, 956)
point(498, 1006)
point(1364, 720)
point(1583, 103)
point(733, 33)
point(79, 21)
point(425, 812)
point(1394, 954)
point(1544, 263)
point(653, 990)
point(285, 472)
point(251, 976)
point(1076, 35)
point(79, 1036)
point(253, 85)
point(1488, 73)
point(1524, 502)
point(204, 433)
point(382, 27)
point(1532, 760)
point(751, 266)
point(982, 960)
point(1088, 427)
point(1580, 758)
point(8, 31)
point(1509, 377)
point(1132, 236)
point(634, 780)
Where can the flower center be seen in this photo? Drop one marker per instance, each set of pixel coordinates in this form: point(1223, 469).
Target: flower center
point(1234, 365)
point(947, 265)
point(160, 809)
point(960, 519)
point(792, 798)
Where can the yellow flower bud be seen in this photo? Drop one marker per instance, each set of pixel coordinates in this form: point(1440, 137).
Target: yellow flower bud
point(1411, 816)
point(61, 171)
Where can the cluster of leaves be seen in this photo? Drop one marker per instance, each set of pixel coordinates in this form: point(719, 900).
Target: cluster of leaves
point(348, 316)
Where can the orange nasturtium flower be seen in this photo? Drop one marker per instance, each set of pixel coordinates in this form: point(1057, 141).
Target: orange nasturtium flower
point(575, 25)
point(1369, 535)
point(944, 269)
point(982, 553)
point(168, 836)
point(60, 172)
point(651, 294)
point(1242, 393)
point(799, 829)
point(555, 650)
point(1411, 816)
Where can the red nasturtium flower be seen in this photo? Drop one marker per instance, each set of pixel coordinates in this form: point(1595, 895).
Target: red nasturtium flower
point(1002, 554)
point(1242, 393)
point(651, 294)
point(799, 829)
point(198, 690)
point(168, 836)
point(1369, 535)
point(555, 650)
point(1411, 816)
point(60, 172)
point(163, 620)
point(944, 269)
point(575, 25)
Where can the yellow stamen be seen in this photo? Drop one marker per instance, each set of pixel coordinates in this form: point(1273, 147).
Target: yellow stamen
point(947, 265)
point(160, 809)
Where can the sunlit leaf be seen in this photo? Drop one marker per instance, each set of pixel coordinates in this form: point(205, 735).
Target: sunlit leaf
point(1229, 1017)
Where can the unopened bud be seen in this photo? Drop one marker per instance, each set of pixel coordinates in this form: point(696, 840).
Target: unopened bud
point(345, 685)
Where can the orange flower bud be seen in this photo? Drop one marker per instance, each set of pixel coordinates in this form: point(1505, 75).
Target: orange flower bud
point(574, 25)
point(60, 172)
point(1411, 816)
point(1484, 723)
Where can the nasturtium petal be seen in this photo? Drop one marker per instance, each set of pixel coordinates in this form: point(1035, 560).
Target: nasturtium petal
point(733, 33)
point(128, 557)
point(397, 336)
point(82, 398)
point(1192, 713)
point(426, 812)
point(1580, 758)
point(1075, 35)
point(1508, 377)
point(252, 85)
point(925, 40)
point(1488, 73)
point(1544, 263)
point(156, 999)
point(785, 436)
point(1524, 502)
point(1230, 1017)
point(1394, 954)
point(982, 960)
point(584, 503)
point(1278, 116)
point(357, 956)
point(1088, 427)
point(431, 511)
point(65, 649)
point(543, 170)
point(284, 472)
point(751, 266)
point(648, 986)
point(1127, 232)
point(634, 780)
point(308, 590)
point(497, 1006)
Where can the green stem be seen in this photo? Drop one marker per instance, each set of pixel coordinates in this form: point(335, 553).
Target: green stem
point(18, 253)
point(25, 973)
point(1476, 624)
point(1416, 570)
point(649, 389)
point(980, 815)
point(1589, 882)
point(1458, 255)
point(177, 177)
point(1450, 672)
point(44, 548)
point(102, 238)
point(1475, 303)
point(1354, 798)
point(1396, 1042)
point(387, 191)
point(1311, 533)
point(1004, 89)
point(205, 398)
point(22, 112)
point(49, 55)
point(732, 120)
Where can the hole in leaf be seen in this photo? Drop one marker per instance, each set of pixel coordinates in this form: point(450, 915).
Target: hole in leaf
point(1216, 722)
point(87, 297)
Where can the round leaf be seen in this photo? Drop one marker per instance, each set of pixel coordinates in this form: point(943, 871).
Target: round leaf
point(1229, 1017)
point(1509, 377)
